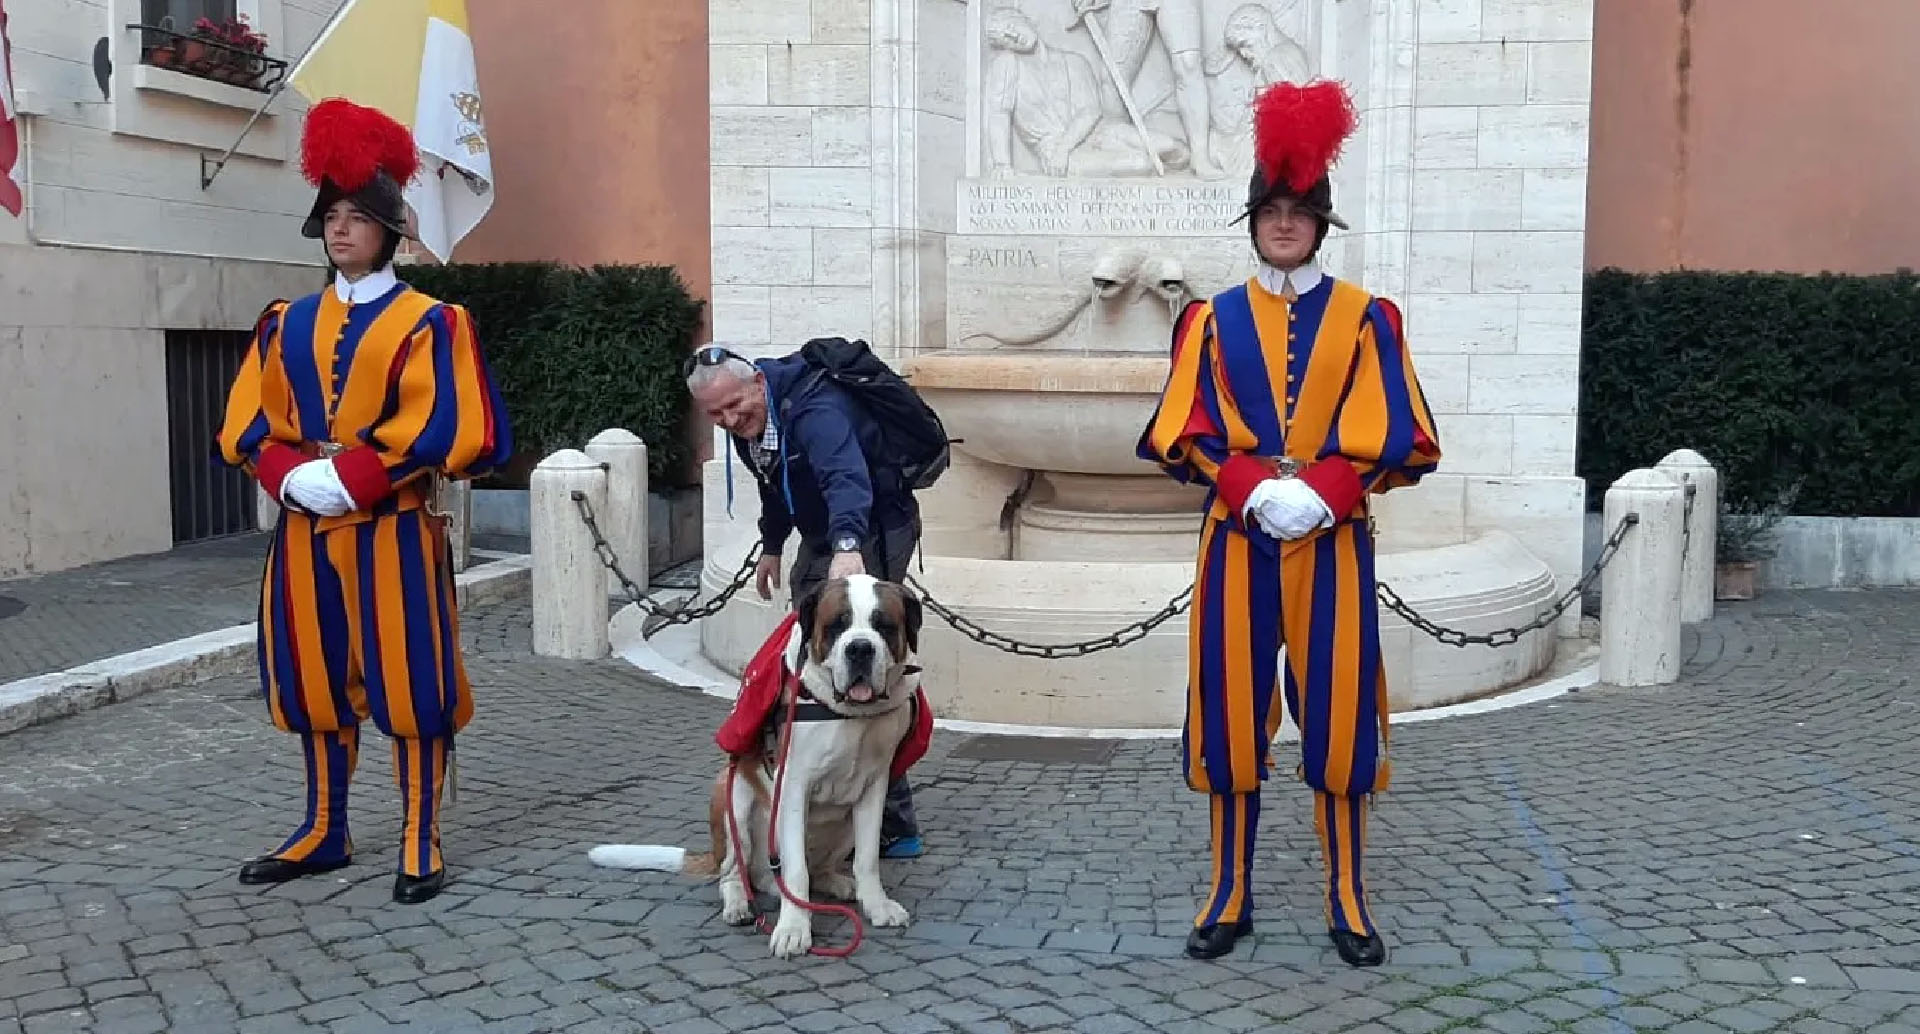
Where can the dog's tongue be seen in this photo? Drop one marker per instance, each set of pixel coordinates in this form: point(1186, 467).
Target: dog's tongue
point(860, 693)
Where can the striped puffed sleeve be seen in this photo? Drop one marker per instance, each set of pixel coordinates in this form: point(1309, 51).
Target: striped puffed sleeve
point(242, 438)
point(1196, 433)
point(443, 412)
point(1384, 435)
point(1188, 434)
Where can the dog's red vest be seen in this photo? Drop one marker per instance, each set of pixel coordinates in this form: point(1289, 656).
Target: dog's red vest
point(760, 701)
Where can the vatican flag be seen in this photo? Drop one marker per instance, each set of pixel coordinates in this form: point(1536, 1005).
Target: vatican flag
point(413, 60)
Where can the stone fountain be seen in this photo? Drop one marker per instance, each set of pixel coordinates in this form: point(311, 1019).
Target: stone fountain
point(1013, 199)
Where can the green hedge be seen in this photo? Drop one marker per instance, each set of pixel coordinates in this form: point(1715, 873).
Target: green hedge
point(579, 350)
point(1796, 387)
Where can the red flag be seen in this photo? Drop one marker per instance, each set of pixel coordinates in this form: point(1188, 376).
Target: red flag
point(10, 196)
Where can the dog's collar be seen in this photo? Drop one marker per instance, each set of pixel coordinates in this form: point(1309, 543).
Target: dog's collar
point(808, 708)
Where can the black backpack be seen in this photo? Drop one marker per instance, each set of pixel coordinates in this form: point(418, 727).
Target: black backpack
point(916, 440)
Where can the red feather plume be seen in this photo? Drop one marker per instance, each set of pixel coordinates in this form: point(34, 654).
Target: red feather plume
point(1298, 130)
point(348, 143)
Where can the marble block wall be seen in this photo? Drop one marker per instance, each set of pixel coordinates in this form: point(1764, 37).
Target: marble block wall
point(1468, 178)
point(828, 117)
point(1470, 173)
point(845, 131)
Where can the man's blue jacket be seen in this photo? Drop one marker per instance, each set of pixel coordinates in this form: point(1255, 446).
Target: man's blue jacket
point(821, 481)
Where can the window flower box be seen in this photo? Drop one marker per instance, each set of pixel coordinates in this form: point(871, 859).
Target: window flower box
point(223, 52)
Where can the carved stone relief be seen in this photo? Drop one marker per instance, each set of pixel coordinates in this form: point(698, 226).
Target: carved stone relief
point(1132, 88)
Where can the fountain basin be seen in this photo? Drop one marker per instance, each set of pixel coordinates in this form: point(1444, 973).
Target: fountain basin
point(1067, 412)
point(1488, 583)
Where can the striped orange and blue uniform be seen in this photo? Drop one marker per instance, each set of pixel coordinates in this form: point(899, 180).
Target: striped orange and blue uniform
point(357, 614)
point(1326, 380)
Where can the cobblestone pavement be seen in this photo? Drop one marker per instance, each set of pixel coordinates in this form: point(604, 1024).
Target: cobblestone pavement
point(1735, 853)
point(89, 613)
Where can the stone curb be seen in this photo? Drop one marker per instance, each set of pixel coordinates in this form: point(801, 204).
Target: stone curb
point(226, 651)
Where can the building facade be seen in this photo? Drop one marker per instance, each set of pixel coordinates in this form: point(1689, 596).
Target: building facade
point(126, 289)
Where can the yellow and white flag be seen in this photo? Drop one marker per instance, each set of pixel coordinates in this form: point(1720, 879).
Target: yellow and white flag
point(413, 60)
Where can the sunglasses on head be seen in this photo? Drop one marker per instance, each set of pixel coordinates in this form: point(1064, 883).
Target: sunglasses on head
point(711, 355)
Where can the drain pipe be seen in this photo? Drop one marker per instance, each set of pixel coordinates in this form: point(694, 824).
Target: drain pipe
point(1016, 498)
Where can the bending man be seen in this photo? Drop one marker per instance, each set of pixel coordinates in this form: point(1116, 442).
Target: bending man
point(811, 446)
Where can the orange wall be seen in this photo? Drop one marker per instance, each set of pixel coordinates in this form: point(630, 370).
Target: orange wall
point(1755, 135)
point(598, 120)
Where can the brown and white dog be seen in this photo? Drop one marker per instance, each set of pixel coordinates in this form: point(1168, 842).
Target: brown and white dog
point(854, 647)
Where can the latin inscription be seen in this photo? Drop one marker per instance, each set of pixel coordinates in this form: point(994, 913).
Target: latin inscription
point(1097, 207)
point(1003, 258)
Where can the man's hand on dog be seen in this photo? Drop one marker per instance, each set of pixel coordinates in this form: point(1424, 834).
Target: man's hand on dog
point(846, 565)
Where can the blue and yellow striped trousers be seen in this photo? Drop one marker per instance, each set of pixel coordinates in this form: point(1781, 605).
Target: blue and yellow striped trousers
point(359, 622)
point(1334, 692)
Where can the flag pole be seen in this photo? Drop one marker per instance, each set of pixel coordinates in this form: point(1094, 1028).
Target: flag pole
point(207, 177)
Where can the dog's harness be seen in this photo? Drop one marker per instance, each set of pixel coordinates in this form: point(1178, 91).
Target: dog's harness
point(808, 708)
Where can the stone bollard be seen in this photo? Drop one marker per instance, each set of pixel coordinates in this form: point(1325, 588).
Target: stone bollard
point(569, 586)
point(1703, 522)
point(1640, 588)
point(624, 521)
point(455, 499)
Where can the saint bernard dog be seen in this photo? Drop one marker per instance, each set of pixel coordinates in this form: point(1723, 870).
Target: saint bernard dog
point(853, 644)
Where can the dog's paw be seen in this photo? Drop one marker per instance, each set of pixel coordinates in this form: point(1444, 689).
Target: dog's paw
point(737, 912)
point(791, 938)
point(888, 912)
point(834, 886)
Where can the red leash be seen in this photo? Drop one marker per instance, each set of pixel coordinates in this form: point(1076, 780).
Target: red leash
point(773, 847)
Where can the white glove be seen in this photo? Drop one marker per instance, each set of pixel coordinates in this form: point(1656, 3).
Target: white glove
point(315, 487)
point(1287, 508)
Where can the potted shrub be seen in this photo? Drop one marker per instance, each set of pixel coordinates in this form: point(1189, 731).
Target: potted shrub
point(1743, 540)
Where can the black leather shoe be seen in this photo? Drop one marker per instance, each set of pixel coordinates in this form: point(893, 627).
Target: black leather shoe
point(1358, 950)
point(279, 870)
point(1217, 939)
point(412, 890)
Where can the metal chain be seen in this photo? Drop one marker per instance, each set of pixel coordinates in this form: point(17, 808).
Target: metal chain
point(662, 617)
point(658, 615)
point(1509, 636)
point(1052, 651)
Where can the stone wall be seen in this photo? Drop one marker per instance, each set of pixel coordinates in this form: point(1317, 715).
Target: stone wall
point(1826, 552)
point(1468, 181)
point(83, 385)
point(827, 119)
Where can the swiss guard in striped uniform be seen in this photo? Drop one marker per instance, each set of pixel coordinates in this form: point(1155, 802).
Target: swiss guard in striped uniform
point(1293, 398)
point(352, 403)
